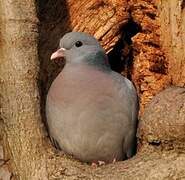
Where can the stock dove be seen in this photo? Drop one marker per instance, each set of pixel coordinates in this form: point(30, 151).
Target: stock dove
point(91, 110)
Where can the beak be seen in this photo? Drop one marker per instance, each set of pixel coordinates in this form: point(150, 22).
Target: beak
point(58, 54)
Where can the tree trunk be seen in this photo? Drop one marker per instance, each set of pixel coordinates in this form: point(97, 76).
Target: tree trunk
point(156, 55)
point(172, 21)
point(20, 111)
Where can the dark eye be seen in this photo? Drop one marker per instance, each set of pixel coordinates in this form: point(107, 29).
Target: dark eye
point(78, 43)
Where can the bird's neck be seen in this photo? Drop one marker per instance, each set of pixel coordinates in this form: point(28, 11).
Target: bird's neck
point(96, 60)
point(84, 68)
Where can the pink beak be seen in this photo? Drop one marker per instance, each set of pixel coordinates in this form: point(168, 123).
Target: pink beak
point(58, 54)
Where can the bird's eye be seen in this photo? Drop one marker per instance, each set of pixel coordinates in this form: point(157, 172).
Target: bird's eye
point(78, 43)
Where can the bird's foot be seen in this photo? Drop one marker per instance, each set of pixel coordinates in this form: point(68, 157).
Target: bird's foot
point(101, 163)
point(114, 160)
point(98, 163)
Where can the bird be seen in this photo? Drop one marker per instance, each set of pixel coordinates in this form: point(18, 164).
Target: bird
point(91, 110)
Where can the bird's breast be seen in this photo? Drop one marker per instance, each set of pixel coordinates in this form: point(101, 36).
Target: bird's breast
point(81, 85)
point(86, 112)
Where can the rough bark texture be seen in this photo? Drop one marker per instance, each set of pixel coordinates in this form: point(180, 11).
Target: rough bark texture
point(150, 71)
point(161, 148)
point(20, 111)
point(5, 173)
point(151, 166)
point(163, 123)
point(172, 21)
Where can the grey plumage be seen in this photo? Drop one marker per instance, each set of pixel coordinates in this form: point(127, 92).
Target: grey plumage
point(91, 110)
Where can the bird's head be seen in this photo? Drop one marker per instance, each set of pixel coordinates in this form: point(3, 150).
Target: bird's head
point(80, 47)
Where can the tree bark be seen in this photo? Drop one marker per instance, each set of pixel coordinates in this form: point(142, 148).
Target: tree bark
point(172, 21)
point(150, 65)
point(24, 137)
point(20, 112)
